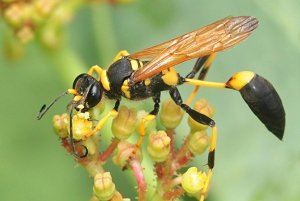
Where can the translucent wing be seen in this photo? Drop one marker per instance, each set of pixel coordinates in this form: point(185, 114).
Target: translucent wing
point(212, 38)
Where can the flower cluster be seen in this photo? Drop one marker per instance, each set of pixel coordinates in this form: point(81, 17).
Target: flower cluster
point(43, 20)
point(169, 160)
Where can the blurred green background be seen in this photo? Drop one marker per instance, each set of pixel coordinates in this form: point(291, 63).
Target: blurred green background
point(251, 164)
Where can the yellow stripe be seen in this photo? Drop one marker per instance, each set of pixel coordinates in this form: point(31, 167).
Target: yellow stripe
point(170, 77)
point(147, 81)
point(134, 64)
point(240, 79)
point(125, 89)
point(104, 80)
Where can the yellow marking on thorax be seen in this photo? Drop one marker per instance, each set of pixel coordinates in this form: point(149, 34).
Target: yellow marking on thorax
point(147, 81)
point(125, 89)
point(240, 79)
point(104, 80)
point(170, 77)
point(136, 64)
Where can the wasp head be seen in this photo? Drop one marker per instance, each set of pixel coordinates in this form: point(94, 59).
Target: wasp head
point(89, 90)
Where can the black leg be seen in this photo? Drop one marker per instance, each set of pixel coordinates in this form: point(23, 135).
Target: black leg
point(198, 65)
point(117, 104)
point(156, 100)
point(201, 118)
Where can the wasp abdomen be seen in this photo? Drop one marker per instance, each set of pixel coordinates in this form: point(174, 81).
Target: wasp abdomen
point(265, 103)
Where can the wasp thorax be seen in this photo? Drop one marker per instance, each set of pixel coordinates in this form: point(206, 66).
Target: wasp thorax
point(89, 89)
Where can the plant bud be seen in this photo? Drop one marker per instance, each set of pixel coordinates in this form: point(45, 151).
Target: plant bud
point(198, 142)
point(171, 114)
point(159, 146)
point(125, 123)
point(60, 124)
point(104, 188)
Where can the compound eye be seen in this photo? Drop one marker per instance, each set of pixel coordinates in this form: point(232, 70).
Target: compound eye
point(81, 82)
point(94, 95)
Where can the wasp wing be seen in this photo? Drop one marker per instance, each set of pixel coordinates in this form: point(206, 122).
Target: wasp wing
point(215, 37)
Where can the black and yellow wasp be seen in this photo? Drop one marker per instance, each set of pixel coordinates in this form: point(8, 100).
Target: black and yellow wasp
point(145, 74)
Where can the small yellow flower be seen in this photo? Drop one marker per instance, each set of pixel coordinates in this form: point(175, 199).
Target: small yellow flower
point(193, 181)
point(81, 125)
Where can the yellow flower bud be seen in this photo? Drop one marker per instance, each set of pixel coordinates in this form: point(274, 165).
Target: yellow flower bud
point(60, 124)
point(104, 188)
point(193, 181)
point(159, 146)
point(202, 107)
point(198, 142)
point(25, 34)
point(125, 123)
point(14, 14)
point(45, 7)
point(171, 114)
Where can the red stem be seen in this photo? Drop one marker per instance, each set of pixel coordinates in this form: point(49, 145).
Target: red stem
point(172, 195)
point(109, 151)
point(139, 175)
point(183, 155)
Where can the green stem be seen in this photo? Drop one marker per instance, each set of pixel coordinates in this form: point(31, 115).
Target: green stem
point(104, 33)
point(67, 64)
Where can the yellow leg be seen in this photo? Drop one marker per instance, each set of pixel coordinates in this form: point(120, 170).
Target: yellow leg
point(202, 83)
point(202, 75)
point(96, 69)
point(121, 54)
point(192, 95)
point(100, 124)
point(211, 158)
point(148, 117)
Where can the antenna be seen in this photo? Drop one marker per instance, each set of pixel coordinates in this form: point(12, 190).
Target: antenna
point(44, 108)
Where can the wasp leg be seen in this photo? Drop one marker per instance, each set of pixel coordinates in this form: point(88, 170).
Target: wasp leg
point(206, 63)
point(96, 69)
point(121, 54)
point(203, 119)
point(112, 113)
point(148, 117)
point(210, 162)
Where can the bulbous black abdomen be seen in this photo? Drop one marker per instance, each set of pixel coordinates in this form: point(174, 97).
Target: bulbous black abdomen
point(266, 104)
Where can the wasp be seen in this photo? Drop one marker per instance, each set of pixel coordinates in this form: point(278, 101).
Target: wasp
point(145, 74)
